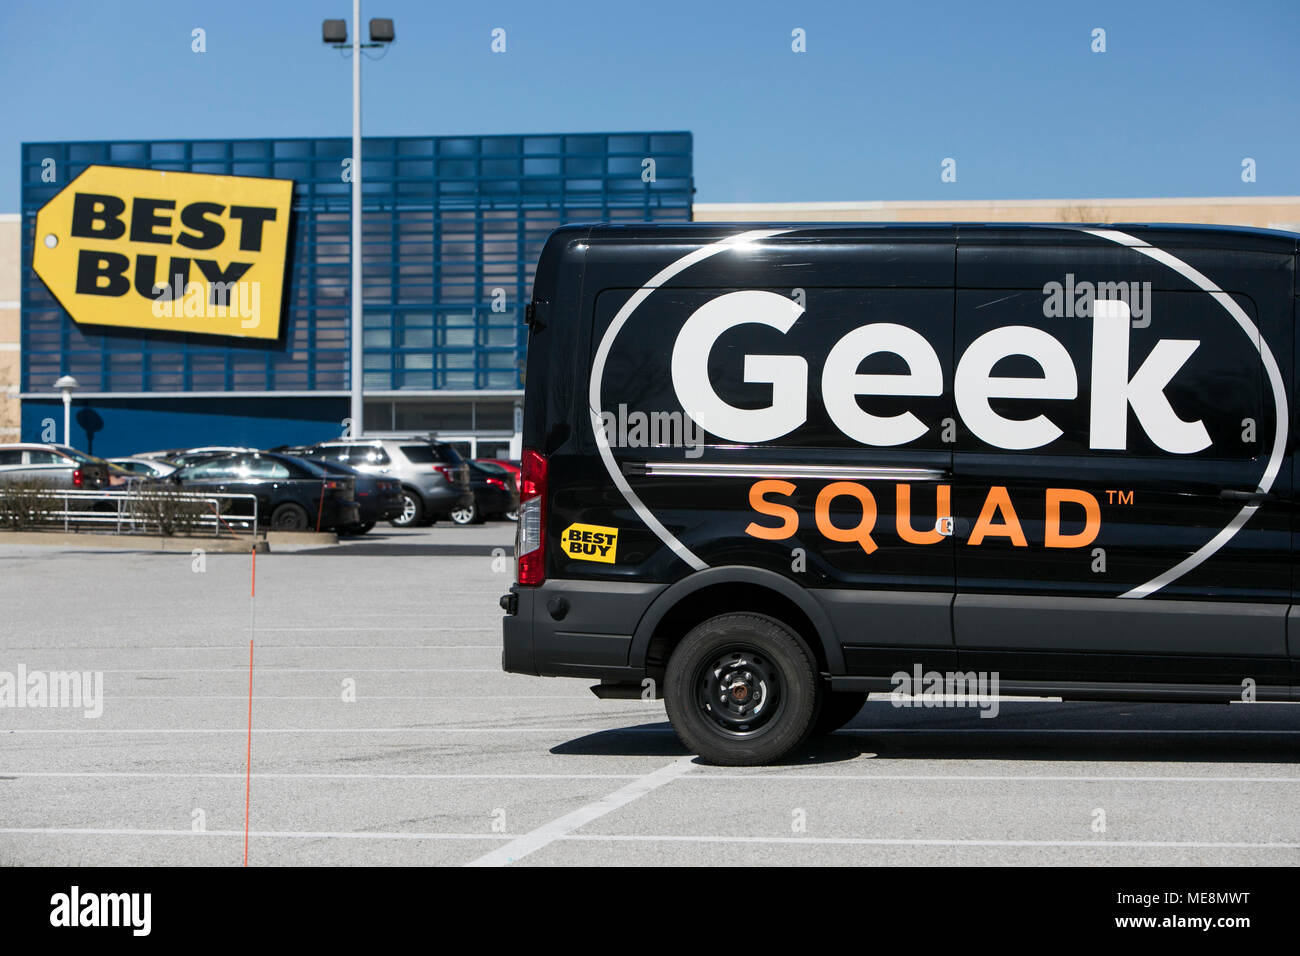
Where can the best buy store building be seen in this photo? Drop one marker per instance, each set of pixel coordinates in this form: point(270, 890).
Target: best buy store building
point(451, 231)
point(251, 344)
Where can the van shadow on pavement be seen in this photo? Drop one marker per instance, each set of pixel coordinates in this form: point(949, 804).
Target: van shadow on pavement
point(1043, 731)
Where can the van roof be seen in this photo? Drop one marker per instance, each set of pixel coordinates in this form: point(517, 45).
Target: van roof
point(1172, 233)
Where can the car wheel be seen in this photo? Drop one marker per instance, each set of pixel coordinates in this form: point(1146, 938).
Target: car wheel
point(838, 708)
point(512, 515)
point(289, 517)
point(467, 515)
point(412, 511)
point(741, 690)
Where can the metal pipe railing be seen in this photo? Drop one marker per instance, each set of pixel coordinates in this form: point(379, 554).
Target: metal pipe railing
point(140, 511)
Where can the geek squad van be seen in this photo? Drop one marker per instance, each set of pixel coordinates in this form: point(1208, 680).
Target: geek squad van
point(767, 470)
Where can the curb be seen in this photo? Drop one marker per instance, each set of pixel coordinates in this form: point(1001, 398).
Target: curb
point(132, 542)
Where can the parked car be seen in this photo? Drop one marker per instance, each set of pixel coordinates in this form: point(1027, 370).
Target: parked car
point(164, 455)
point(434, 478)
point(378, 499)
point(60, 465)
point(496, 491)
point(145, 467)
point(293, 494)
point(190, 455)
point(506, 463)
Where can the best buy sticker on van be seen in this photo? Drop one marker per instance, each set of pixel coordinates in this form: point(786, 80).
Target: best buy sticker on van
point(179, 252)
point(590, 542)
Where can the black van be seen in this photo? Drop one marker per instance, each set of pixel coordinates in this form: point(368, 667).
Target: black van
point(770, 469)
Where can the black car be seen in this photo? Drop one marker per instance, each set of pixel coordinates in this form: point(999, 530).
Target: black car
point(378, 499)
point(293, 494)
point(494, 495)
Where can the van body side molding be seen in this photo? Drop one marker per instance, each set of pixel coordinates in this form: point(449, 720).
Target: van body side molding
point(1099, 690)
point(794, 470)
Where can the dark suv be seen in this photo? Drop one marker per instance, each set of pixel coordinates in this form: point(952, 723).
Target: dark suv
point(433, 476)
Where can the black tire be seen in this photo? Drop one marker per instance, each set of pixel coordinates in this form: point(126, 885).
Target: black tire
point(360, 528)
point(838, 708)
point(290, 517)
point(464, 516)
point(766, 663)
point(412, 510)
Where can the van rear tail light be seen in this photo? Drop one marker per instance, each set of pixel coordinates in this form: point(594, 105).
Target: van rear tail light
point(530, 534)
point(78, 479)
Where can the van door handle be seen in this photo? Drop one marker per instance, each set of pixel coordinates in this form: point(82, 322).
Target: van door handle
point(1250, 497)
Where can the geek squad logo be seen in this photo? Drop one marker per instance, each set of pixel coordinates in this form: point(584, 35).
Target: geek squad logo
point(1113, 394)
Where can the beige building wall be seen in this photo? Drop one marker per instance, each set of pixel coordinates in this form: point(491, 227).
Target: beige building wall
point(1268, 212)
point(10, 246)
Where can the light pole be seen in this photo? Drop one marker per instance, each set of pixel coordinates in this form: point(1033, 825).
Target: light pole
point(335, 33)
point(66, 384)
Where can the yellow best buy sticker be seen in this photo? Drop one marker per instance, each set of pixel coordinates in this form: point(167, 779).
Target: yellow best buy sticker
point(181, 252)
point(590, 542)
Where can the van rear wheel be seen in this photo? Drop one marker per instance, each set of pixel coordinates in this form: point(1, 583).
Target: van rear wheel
point(741, 690)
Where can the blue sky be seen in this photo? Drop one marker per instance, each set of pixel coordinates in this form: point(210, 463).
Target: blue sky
point(884, 93)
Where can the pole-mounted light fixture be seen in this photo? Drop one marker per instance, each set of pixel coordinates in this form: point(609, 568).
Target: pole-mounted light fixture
point(67, 385)
point(335, 34)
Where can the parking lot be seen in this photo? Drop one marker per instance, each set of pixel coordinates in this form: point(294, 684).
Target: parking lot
point(384, 732)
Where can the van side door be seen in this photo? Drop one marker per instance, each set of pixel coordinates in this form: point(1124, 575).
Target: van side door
point(1110, 457)
point(816, 366)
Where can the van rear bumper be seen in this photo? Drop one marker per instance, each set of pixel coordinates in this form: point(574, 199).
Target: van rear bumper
point(574, 628)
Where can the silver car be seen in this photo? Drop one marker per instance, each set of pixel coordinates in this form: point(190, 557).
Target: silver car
point(144, 467)
point(59, 465)
point(434, 478)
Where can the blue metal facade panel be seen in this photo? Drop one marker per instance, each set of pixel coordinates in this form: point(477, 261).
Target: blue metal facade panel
point(451, 231)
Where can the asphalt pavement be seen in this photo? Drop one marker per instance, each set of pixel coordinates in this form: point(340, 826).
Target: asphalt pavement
point(384, 732)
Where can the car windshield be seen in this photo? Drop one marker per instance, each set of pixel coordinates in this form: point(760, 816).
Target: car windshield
point(326, 465)
point(74, 454)
point(314, 468)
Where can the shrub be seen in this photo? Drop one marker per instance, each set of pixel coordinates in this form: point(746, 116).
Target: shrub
point(168, 511)
point(26, 502)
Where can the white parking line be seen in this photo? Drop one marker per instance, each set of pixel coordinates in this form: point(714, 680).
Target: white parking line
point(702, 776)
point(334, 698)
point(647, 838)
point(877, 841)
point(262, 628)
point(581, 730)
point(260, 647)
point(982, 778)
point(278, 834)
point(269, 669)
point(520, 847)
point(340, 730)
point(149, 774)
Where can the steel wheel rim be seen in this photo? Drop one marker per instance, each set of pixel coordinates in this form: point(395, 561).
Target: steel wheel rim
point(738, 690)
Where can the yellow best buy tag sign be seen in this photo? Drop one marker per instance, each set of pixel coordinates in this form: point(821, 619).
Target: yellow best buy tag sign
point(182, 252)
point(590, 542)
